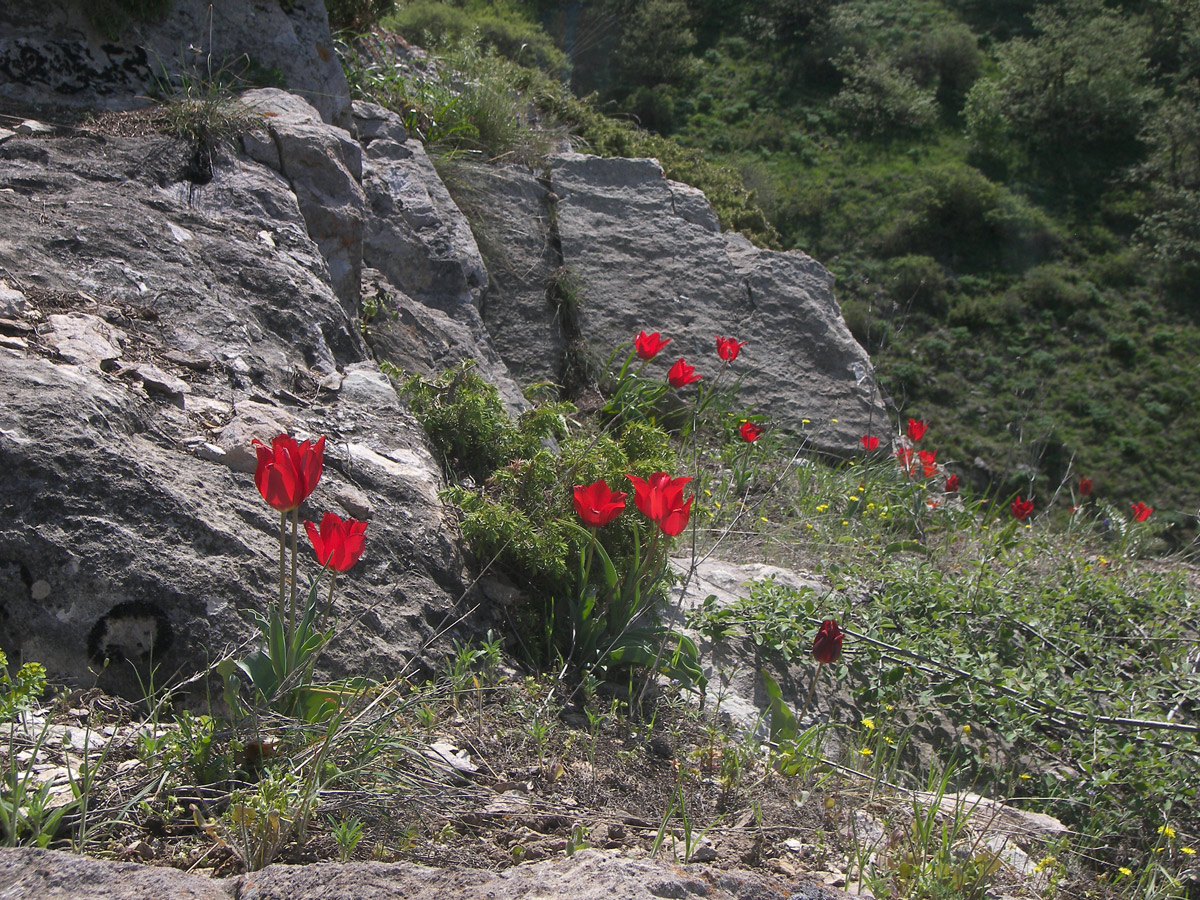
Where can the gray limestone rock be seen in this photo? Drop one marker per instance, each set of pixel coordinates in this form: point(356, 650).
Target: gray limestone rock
point(51, 53)
point(510, 209)
point(588, 875)
point(425, 340)
point(132, 523)
point(323, 167)
point(644, 256)
point(415, 234)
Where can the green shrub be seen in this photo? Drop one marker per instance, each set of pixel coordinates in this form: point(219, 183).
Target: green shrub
point(442, 26)
point(879, 99)
point(965, 221)
point(918, 283)
point(356, 15)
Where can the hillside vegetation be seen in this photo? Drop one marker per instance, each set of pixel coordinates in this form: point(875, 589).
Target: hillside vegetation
point(1006, 192)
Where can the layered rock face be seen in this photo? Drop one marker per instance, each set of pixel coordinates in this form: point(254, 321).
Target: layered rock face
point(54, 53)
point(155, 320)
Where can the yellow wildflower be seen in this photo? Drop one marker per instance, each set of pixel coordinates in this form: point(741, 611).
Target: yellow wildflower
point(1167, 831)
point(868, 723)
point(866, 751)
point(1126, 871)
point(1190, 851)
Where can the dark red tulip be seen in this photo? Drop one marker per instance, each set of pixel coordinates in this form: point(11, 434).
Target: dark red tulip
point(287, 472)
point(1022, 509)
point(728, 348)
point(681, 374)
point(648, 345)
point(916, 429)
point(1085, 486)
point(339, 543)
point(1141, 512)
point(951, 484)
point(869, 442)
point(596, 504)
point(750, 432)
point(827, 647)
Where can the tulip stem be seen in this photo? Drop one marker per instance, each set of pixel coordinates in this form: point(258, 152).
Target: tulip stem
point(332, 582)
point(812, 688)
point(282, 561)
point(292, 609)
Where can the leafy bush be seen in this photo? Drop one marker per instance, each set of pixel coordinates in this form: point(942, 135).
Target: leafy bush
point(463, 416)
point(879, 99)
point(918, 283)
point(965, 221)
point(443, 26)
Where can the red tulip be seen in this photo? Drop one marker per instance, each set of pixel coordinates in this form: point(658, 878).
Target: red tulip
point(869, 442)
point(928, 462)
point(1085, 486)
point(339, 543)
point(682, 374)
point(1141, 512)
point(750, 432)
point(827, 647)
point(648, 345)
point(287, 472)
point(916, 429)
point(951, 484)
point(660, 499)
point(905, 457)
point(728, 348)
point(1022, 509)
point(596, 504)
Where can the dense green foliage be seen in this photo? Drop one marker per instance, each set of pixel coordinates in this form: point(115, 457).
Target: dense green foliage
point(1007, 192)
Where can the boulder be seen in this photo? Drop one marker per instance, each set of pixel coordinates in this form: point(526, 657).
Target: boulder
point(415, 234)
point(511, 212)
point(644, 254)
point(323, 166)
point(164, 326)
point(53, 52)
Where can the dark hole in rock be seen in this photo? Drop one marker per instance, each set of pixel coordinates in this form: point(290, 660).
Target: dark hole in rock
point(199, 168)
point(134, 631)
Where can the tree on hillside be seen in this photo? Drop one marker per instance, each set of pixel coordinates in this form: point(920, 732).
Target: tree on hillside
point(1067, 107)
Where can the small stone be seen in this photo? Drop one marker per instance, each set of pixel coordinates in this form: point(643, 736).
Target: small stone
point(31, 127)
point(12, 303)
point(40, 590)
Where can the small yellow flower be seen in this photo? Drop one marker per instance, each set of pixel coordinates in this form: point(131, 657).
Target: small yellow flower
point(823, 507)
point(1190, 851)
point(834, 421)
point(888, 708)
point(717, 504)
point(804, 421)
point(1025, 776)
point(865, 751)
point(868, 723)
point(1126, 871)
point(854, 496)
point(1167, 831)
point(844, 522)
point(1046, 862)
point(707, 492)
point(808, 525)
point(762, 518)
point(966, 729)
point(889, 739)
point(870, 506)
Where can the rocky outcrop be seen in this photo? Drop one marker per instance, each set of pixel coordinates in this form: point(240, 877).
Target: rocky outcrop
point(588, 875)
point(159, 327)
point(584, 258)
point(53, 53)
point(645, 253)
